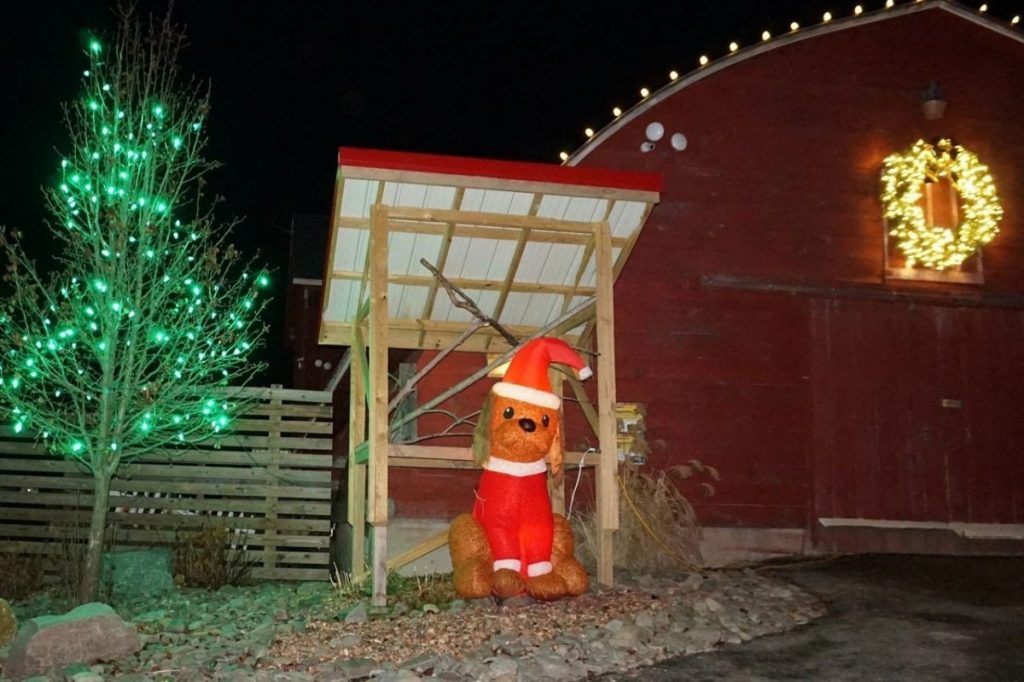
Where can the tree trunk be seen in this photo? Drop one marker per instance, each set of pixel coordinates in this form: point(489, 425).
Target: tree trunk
point(89, 589)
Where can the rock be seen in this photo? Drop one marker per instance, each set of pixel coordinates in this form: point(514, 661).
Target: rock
point(345, 642)
point(8, 623)
point(422, 663)
point(357, 614)
point(501, 669)
point(457, 605)
point(81, 673)
point(356, 668)
point(398, 676)
point(704, 637)
point(137, 573)
point(553, 668)
point(88, 633)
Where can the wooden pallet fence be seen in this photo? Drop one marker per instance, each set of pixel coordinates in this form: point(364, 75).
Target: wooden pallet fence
point(268, 481)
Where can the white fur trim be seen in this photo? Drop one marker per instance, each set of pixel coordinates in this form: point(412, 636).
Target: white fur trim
point(519, 469)
point(585, 373)
point(527, 395)
point(539, 568)
point(512, 564)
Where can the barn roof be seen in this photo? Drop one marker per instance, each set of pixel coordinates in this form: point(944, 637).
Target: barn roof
point(830, 24)
point(517, 238)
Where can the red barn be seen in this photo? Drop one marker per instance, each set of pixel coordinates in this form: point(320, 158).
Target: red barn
point(848, 405)
point(771, 325)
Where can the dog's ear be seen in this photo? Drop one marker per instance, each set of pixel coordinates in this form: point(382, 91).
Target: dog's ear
point(482, 432)
point(555, 456)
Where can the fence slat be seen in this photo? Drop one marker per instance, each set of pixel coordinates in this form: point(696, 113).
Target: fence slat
point(268, 482)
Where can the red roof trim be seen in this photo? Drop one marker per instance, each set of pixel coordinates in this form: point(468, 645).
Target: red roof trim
point(506, 170)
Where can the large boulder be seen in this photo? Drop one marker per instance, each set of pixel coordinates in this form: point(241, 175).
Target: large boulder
point(138, 573)
point(8, 623)
point(86, 634)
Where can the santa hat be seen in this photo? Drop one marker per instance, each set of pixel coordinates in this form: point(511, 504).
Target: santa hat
point(526, 378)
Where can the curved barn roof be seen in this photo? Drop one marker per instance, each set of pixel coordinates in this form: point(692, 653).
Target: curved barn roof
point(829, 25)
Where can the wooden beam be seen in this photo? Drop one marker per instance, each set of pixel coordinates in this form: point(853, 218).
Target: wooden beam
point(438, 215)
point(607, 490)
point(507, 233)
point(556, 489)
point(414, 334)
point(356, 502)
point(378, 404)
point(449, 453)
point(475, 284)
point(422, 549)
point(442, 259)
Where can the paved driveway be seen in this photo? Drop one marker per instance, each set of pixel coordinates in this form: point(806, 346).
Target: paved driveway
point(891, 618)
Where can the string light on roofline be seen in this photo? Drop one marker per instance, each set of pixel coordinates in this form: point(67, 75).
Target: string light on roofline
point(858, 10)
point(733, 46)
point(826, 17)
point(703, 61)
point(983, 9)
point(616, 112)
point(794, 26)
point(673, 75)
point(1015, 20)
point(889, 4)
point(766, 36)
point(645, 93)
point(564, 156)
point(589, 132)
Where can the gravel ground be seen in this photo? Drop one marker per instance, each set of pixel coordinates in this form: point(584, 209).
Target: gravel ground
point(306, 632)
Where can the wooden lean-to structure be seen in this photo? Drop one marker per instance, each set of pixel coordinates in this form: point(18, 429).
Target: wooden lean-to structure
point(536, 247)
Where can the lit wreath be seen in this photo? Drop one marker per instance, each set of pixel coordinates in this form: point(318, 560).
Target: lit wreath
point(902, 182)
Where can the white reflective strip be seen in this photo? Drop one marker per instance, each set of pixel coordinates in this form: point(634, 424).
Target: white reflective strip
point(513, 564)
point(539, 568)
point(504, 466)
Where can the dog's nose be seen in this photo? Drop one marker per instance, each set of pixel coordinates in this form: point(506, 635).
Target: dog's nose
point(528, 425)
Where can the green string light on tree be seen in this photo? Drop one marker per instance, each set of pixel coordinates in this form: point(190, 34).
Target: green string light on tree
point(131, 343)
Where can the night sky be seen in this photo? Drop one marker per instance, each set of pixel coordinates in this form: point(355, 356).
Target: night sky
point(293, 81)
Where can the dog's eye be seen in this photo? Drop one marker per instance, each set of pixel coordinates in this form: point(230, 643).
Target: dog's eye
point(508, 413)
point(545, 421)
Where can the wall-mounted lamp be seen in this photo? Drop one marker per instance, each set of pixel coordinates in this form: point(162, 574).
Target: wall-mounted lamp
point(933, 101)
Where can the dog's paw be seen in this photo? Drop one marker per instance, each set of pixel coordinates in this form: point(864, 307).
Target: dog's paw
point(547, 587)
point(506, 583)
point(575, 576)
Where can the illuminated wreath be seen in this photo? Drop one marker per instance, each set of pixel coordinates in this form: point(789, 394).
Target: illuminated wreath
point(902, 184)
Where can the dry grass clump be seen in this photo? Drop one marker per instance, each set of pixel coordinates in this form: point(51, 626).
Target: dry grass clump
point(205, 558)
point(21, 575)
point(658, 528)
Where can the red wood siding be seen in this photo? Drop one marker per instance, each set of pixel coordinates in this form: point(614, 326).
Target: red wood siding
point(809, 406)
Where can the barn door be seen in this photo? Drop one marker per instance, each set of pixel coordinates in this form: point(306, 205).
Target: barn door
point(888, 431)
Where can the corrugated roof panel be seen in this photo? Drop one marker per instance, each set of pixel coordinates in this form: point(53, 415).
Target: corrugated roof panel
point(356, 197)
point(440, 197)
point(561, 264)
point(535, 255)
point(456, 256)
point(479, 256)
point(541, 309)
point(341, 302)
point(515, 308)
point(350, 249)
point(504, 250)
point(625, 217)
point(445, 311)
point(585, 209)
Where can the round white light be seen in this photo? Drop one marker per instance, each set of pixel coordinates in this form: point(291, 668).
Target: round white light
point(889, 4)
point(765, 35)
point(655, 131)
point(1015, 20)
point(826, 17)
point(983, 8)
point(703, 60)
point(679, 142)
point(646, 146)
point(589, 132)
point(733, 46)
point(564, 156)
point(673, 74)
point(794, 26)
point(858, 10)
point(617, 112)
point(644, 92)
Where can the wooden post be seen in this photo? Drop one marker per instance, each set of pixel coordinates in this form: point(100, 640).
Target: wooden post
point(378, 435)
point(356, 515)
point(607, 468)
point(273, 479)
point(557, 491)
